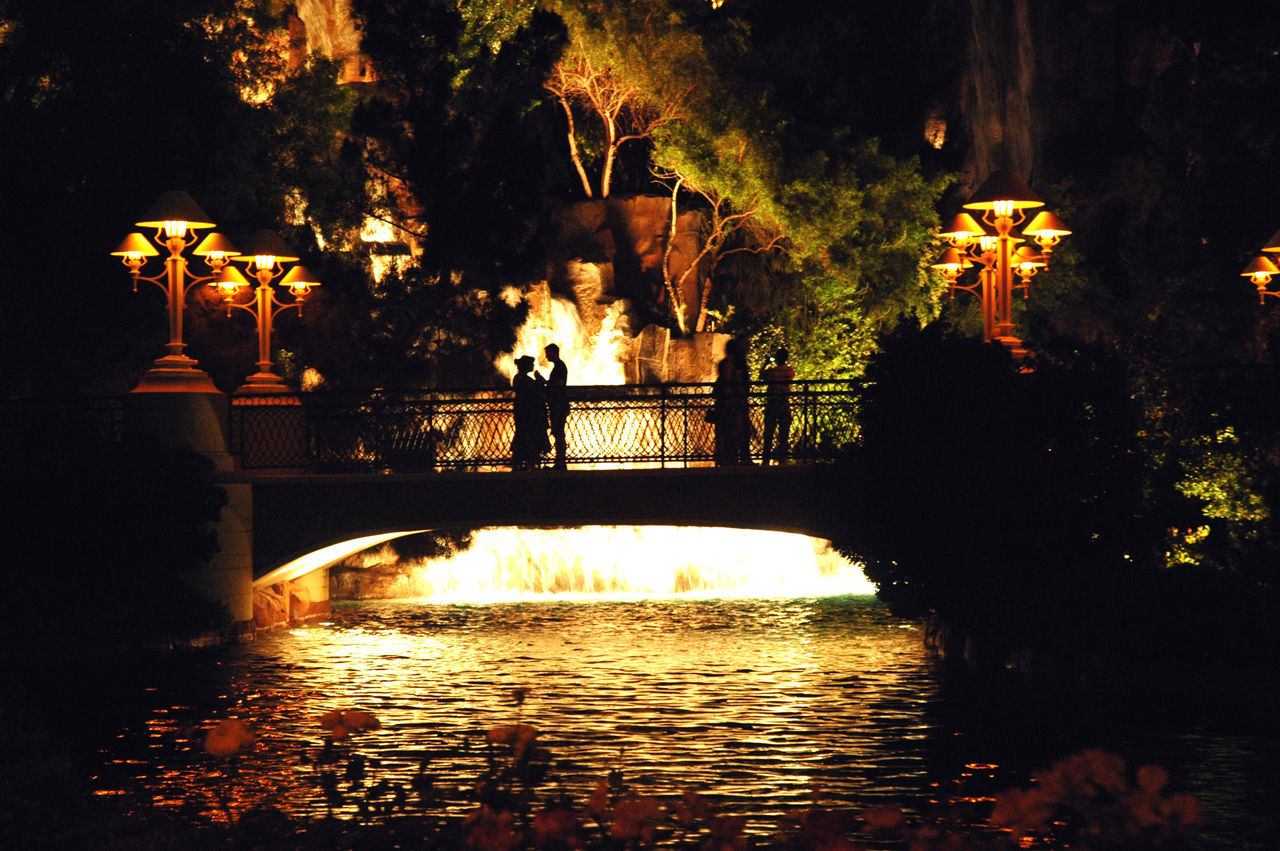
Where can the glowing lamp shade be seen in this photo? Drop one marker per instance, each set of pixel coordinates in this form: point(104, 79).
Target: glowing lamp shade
point(952, 262)
point(1027, 261)
point(264, 249)
point(1260, 271)
point(230, 281)
point(1273, 244)
point(299, 280)
point(175, 212)
point(135, 247)
point(1003, 192)
point(962, 228)
point(1046, 226)
point(217, 248)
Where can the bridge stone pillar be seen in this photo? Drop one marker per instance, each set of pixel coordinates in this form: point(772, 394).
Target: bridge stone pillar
point(199, 420)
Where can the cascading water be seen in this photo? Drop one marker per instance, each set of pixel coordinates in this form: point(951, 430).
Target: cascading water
point(629, 561)
point(619, 561)
point(593, 357)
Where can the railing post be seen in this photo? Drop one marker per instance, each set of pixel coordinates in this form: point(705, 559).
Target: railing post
point(662, 426)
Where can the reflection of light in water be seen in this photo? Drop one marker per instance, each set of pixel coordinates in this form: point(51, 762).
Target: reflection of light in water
point(635, 561)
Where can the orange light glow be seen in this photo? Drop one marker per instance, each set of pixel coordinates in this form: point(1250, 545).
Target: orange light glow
point(175, 228)
point(299, 280)
point(134, 248)
point(1260, 270)
point(1003, 193)
point(631, 562)
point(961, 229)
point(324, 557)
point(230, 282)
point(216, 249)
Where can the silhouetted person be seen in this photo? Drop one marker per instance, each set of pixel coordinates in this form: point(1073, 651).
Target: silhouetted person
point(730, 413)
point(557, 402)
point(778, 376)
point(530, 439)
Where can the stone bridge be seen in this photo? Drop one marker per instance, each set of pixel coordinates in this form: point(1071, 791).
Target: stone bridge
point(285, 525)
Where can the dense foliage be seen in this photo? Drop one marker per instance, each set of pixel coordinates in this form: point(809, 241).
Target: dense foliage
point(105, 106)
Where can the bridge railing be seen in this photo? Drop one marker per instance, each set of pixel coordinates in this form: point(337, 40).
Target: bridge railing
point(616, 425)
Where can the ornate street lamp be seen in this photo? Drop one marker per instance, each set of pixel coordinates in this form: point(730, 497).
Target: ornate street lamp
point(176, 219)
point(994, 244)
point(1262, 269)
point(265, 255)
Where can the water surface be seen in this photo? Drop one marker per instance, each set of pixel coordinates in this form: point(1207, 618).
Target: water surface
point(756, 702)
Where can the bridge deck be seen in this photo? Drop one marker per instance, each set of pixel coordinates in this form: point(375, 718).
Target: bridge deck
point(295, 514)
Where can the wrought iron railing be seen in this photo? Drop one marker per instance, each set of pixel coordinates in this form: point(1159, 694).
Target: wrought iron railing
point(631, 425)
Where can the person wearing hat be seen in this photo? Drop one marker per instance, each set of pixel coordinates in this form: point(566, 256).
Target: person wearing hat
point(530, 441)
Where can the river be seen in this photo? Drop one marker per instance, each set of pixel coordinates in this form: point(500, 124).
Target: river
point(755, 702)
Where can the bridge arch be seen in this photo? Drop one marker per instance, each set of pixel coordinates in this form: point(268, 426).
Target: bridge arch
point(303, 523)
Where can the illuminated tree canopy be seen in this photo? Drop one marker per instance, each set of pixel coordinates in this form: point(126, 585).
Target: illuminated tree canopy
point(855, 221)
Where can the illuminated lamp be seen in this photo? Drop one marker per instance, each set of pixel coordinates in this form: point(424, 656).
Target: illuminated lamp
point(994, 244)
point(216, 249)
point(1273, 244)
point(953, 262)
point(1259, 272)
point(1002, 193)
point(230, 283)
point(1047, 230)
point(1025, 258)
point(962, 229)
point(299, 280)
point(264, 254)
point(133, 251)
point(174, 212)
point(264, 251)
point(1026, 263)
point(176, 218)
point(134, 247)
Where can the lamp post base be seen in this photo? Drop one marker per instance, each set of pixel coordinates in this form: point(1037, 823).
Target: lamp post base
point(176, 374)
point(263, 382)
point(1013, 344)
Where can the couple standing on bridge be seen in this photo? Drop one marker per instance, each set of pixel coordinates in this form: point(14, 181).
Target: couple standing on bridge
point(541, 404)
point(731, 413)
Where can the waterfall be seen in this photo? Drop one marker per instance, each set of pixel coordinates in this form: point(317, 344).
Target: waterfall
point(593, 357)
point(629, 561)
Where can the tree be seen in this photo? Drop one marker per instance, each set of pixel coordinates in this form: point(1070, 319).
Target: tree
point(858, 222)
point(624, 110)
point(455, 128)
point(719, 227)
point(96, 128)
point(1011, 506)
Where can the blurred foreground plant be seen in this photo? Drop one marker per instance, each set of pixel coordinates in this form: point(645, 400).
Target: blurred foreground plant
point(1090, 800)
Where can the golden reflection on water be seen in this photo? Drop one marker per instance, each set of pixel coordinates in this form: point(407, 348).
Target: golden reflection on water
point(753, 701)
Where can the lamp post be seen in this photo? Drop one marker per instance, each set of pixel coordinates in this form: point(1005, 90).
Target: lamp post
point(1263, 268)
point(265, 255)
point(994, 244)
point(177, 219)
